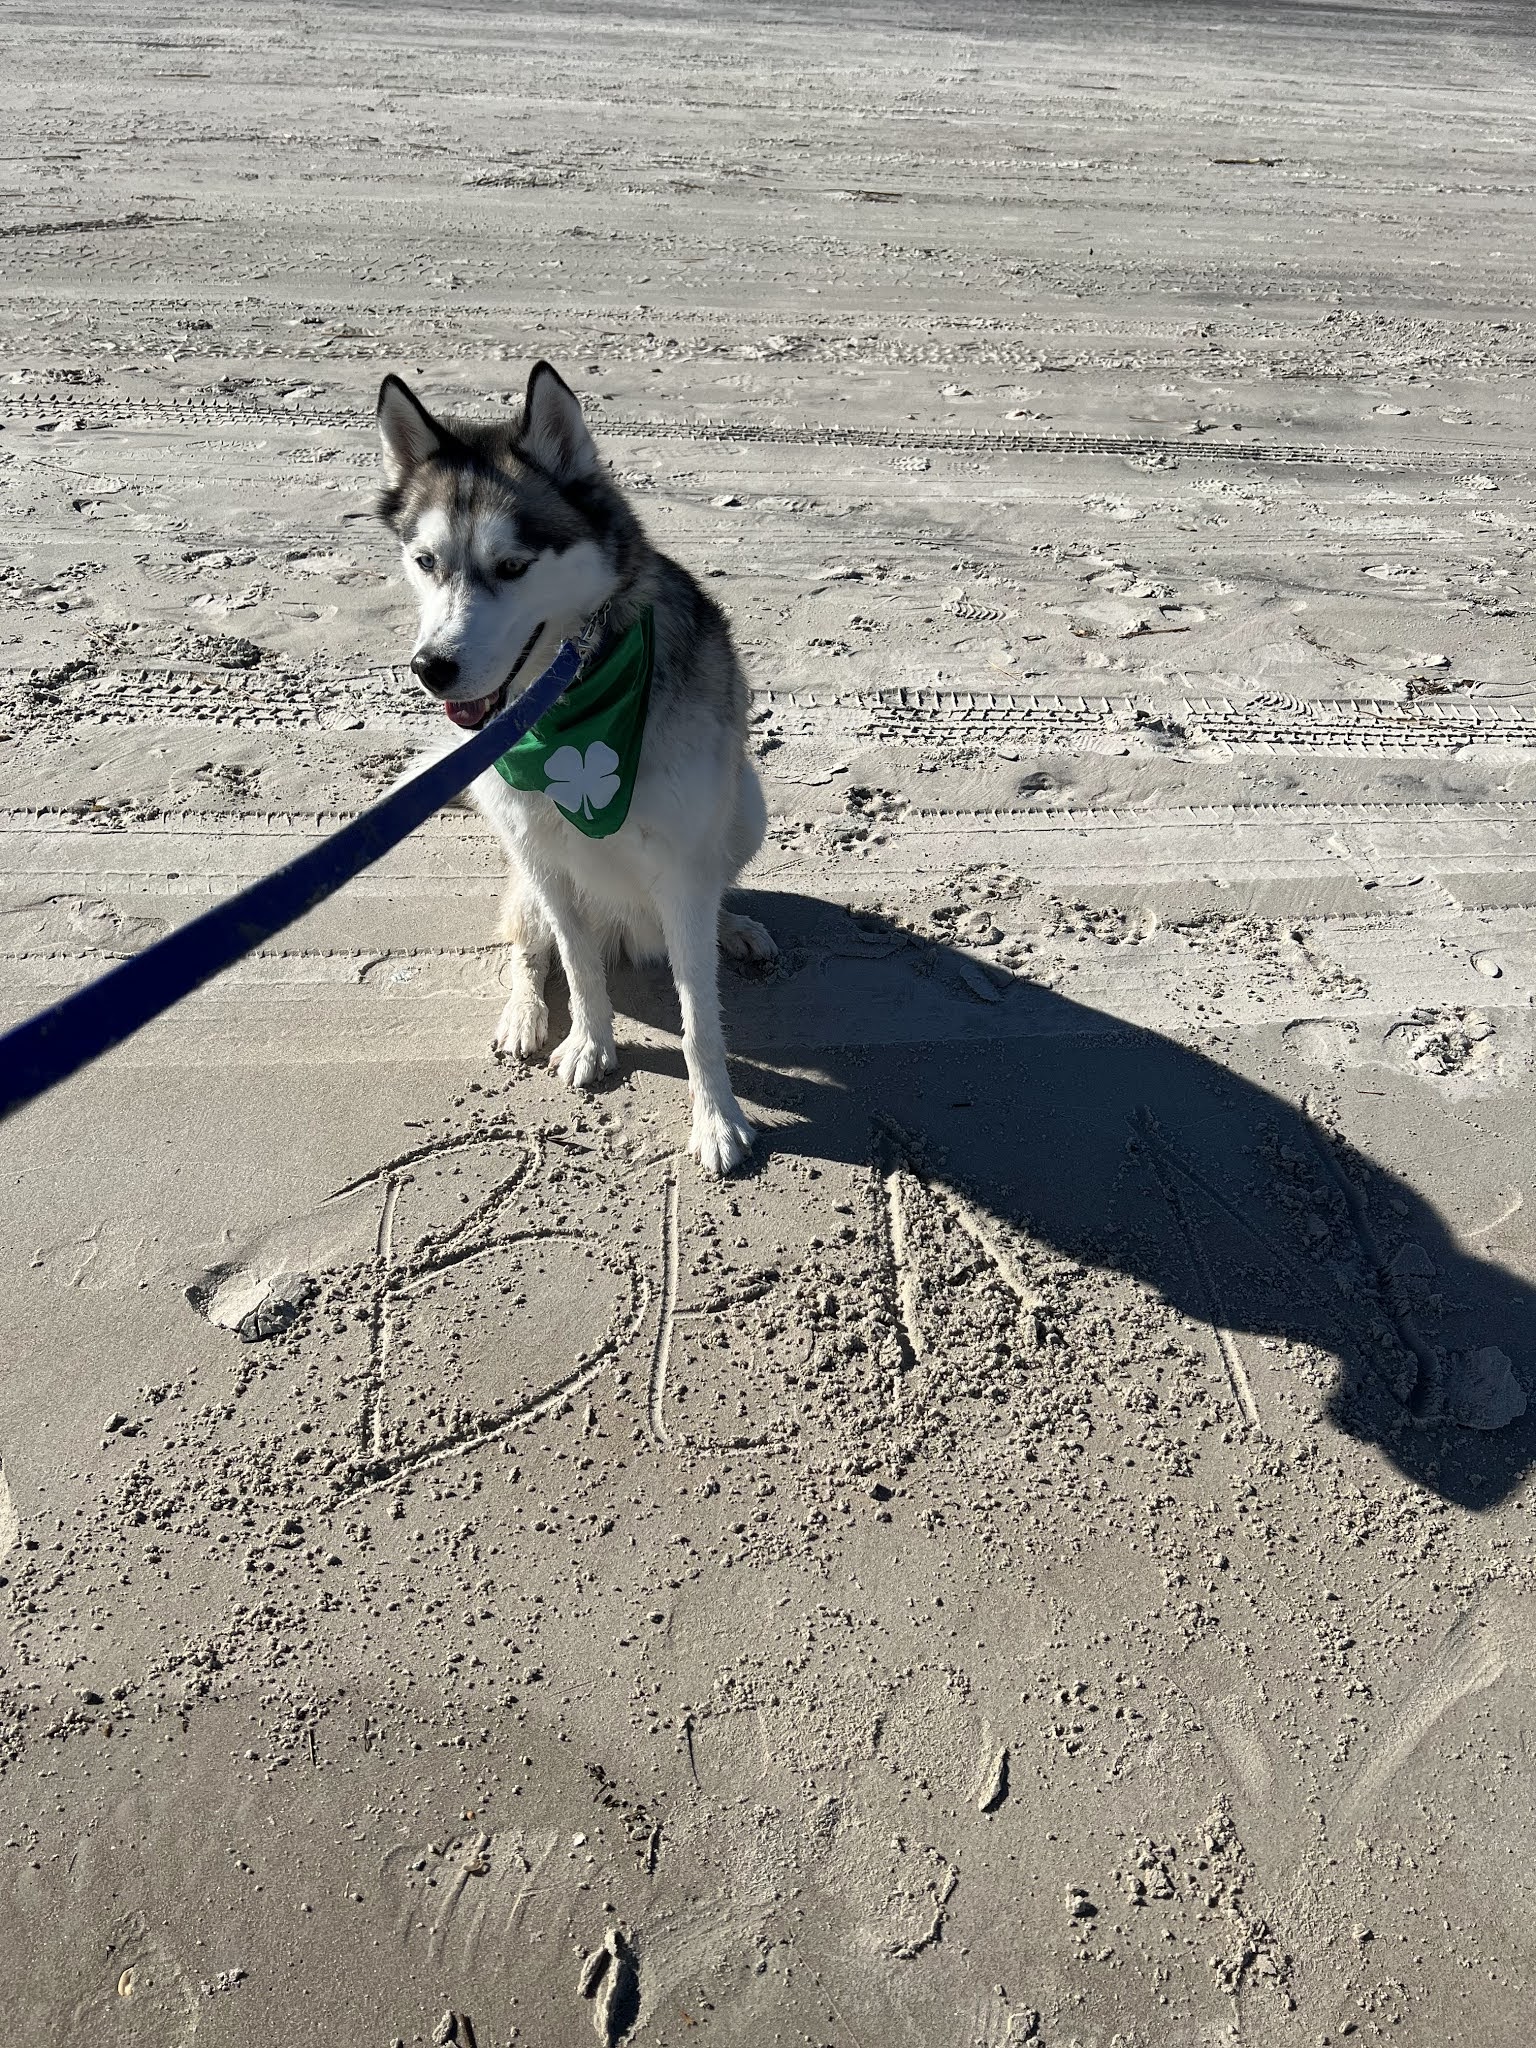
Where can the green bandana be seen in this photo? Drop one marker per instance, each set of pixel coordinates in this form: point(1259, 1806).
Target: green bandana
point(585, 753)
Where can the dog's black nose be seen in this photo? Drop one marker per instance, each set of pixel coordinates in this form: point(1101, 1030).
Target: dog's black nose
point(436, 671)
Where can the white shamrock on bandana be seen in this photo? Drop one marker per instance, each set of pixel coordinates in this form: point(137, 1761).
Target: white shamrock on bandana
point(584, 783)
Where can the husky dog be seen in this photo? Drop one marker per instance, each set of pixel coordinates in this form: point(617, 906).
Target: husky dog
point(514, 538)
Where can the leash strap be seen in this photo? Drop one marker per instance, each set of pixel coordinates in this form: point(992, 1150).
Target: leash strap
point(58, 1042)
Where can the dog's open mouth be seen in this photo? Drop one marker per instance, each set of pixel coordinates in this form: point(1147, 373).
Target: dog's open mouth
point(472, 713)
point(477, 710)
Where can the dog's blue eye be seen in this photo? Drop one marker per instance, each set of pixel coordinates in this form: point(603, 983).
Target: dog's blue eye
point(507, 571)
point(425, 560)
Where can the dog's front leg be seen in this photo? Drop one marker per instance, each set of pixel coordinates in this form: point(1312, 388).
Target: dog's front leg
point(690, 922)
point(587, 1052)
point(524, 1024)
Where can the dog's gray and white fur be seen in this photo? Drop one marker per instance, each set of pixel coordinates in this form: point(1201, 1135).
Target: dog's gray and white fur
point(513, 537)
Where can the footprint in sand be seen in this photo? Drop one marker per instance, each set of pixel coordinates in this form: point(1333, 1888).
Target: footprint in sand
point(139, 1997)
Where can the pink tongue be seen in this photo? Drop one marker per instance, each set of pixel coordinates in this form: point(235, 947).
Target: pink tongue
point(472, 713)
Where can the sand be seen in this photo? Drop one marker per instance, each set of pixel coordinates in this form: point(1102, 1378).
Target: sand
point(1046, 1556)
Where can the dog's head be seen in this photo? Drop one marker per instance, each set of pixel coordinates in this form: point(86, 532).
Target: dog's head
point(512, 536)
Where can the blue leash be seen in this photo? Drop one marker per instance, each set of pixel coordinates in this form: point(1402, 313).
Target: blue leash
point(58, 1042)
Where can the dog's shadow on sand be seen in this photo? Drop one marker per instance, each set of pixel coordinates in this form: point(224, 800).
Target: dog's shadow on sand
point(1126, 1150)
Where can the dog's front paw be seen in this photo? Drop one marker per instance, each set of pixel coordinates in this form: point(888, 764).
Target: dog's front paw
point(743, 938)
point(581, 1060)
point(523, 1028)
point(722, 1137)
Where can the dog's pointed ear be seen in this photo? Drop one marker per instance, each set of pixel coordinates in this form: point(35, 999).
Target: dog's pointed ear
point(553, 431)
point(408, 431)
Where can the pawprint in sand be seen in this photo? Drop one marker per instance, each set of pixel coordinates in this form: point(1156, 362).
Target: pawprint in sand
point(582, 783)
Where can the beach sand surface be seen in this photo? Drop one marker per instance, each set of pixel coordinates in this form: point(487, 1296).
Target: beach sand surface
point(1046, 1556)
